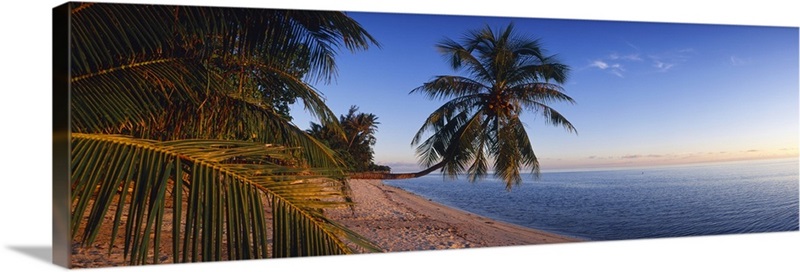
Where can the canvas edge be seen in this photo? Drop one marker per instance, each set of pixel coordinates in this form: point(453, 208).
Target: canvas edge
point(61, 89)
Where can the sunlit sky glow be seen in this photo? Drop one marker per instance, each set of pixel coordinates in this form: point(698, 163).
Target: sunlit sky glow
point(647, 93)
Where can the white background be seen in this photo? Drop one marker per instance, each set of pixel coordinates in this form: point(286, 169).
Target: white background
point(26, 180)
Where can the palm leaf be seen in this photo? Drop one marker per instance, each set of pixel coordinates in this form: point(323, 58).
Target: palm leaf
point(229, 184)
point(149, 70)
point(450, 87)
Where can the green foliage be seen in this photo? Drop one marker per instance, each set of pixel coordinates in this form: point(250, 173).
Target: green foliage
point(183, 106)
point(480, 124)
point(356, 147)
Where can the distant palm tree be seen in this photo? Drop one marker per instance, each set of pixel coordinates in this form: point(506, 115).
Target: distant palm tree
point(172, 112)
point(356, 147)
point(361, 127)
point(480, 124)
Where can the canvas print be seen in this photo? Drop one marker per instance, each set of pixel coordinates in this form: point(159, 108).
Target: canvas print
point(202, 134)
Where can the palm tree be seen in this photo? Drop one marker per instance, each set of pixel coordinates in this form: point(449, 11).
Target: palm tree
point(356, 147)
point(480, 124)
point(174, 130)
point(360, 130)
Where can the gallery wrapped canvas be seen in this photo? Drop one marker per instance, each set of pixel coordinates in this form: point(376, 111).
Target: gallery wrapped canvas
point(189, 133)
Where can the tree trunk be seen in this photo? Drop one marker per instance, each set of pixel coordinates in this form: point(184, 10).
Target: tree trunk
point(372, 175)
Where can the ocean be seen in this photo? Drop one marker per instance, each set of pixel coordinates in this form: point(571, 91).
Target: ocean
point(709, 199)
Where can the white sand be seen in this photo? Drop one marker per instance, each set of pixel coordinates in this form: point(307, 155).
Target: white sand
point(397, 220)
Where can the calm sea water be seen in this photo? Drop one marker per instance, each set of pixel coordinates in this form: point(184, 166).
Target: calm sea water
point(729, 198)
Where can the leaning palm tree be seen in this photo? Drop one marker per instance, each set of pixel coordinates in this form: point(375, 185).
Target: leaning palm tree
point(480, 124)
point(173, 132)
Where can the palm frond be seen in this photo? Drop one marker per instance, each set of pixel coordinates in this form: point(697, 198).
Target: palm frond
point(469, 148)
point(458, 56)
point(127, 33)
point(144, 58)
point(435, 148)
point(312, 100)
point(450, 87)
point(131, 95)
point(330, 30)
point(552, 116)
point(437, 119)
point(538, 71)
point(527, 94)
point(481, 153)
point(508, 158)
point(228, 185)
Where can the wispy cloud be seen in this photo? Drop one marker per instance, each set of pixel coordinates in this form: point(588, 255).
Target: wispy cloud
point(667, 60)
point(616, 63)
point(595, 157)
point(622, 63)
point(599, 64)
point(613, 68)
point(662, 66)
point(628, 57)
point(636, 48)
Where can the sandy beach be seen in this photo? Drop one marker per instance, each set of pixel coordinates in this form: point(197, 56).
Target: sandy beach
point(394, 219)
point(398, 220)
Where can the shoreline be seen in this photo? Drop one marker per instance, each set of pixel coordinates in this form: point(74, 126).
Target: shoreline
point(398, 220)
point(394, 219)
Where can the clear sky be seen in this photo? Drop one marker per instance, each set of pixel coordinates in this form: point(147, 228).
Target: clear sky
point(647, 93)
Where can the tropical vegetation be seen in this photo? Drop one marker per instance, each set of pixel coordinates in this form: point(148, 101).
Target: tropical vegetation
point(356, 147)
point(481, 124)
point(182, 142)
point(502, 75)
point(180, 128)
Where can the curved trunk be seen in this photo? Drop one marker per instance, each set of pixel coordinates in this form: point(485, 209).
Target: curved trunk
point(371, 175)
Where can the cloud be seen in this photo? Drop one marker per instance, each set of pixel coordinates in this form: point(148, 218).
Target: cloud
point(628, 57)
point(631, 156)
point(613, 68)
point(752, 150)
point(615, 62)
point(599, 64)
point(633, 46)
point(662, 66)
point(619, 63)
point(595, 157)
point(665, 61)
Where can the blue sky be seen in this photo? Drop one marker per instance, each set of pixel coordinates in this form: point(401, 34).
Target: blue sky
point(647, 93)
